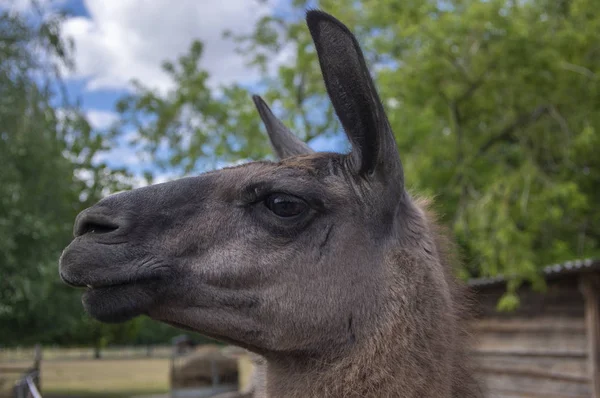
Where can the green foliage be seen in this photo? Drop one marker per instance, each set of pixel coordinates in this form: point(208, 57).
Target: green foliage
point(508, 302)
point(494, 105)
point(47, 177)
point(191, 119)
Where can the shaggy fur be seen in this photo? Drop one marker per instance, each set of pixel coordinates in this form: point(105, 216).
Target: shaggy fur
point(416, 347)
point(346, 290)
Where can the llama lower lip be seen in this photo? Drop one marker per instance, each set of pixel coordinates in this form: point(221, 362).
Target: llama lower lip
point(119, 303)
point(114, 285)
point(98, 287)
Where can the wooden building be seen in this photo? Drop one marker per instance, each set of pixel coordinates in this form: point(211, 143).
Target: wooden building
point(550, 346)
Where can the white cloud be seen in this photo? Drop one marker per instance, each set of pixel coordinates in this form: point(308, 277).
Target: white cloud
point(101, 119)
point(125, 39)
point(121, 155)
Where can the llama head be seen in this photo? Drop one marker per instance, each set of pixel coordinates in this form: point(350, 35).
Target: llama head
point(277, 257)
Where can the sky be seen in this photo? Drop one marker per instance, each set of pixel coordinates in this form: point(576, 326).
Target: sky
point(118, 40)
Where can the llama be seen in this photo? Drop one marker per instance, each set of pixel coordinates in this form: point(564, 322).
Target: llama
point(321, 263)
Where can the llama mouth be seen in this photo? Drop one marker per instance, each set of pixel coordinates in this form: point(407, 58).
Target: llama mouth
point(138, 281)
point(108, 284)
point(112, 285)
point(119, 302)
point(84, 267)
point(117, 285)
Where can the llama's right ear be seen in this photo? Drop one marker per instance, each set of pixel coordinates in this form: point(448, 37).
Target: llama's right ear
point(284, 142)
point(355, 99)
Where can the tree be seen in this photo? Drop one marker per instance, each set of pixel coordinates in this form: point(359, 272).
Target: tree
point(493, 103)
point(47, 176)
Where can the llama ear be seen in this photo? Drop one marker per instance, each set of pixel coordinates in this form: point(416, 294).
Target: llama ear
point(354, 97)
point(284, 142)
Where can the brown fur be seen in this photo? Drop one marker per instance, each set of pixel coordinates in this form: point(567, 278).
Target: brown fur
point(352, 294)
point(418, 347)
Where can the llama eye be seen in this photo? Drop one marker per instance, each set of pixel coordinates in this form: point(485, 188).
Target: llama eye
point(285, 205)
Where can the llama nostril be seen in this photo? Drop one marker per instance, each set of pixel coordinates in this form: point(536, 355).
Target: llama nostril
point(87, 223)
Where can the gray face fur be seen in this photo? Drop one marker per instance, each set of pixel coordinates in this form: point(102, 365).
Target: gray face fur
point(278, 257)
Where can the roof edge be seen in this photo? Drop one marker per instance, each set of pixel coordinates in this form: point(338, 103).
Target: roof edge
point(548, 272)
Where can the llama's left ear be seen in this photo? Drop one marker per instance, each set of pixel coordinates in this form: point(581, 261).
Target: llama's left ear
point(284, 142)
point(355, 99)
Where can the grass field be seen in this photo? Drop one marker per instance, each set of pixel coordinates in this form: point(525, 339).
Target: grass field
point(110, 378)
point(107, 377)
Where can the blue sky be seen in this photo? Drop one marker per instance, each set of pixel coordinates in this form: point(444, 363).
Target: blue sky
point(118, 40)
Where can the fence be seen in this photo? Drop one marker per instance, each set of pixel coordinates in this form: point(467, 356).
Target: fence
point(110, 352)
point(27, 384)
point(211, 373)
point(18, 376)
point(199, 374)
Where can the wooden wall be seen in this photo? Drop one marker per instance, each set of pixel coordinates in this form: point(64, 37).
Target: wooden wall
point(538, 351)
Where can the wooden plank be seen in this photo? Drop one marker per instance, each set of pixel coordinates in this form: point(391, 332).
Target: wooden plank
point(576, 367)
point(590, 285)
point(539, 342)
point(510, 393)
point(534, 374)
point(532, 353)
point(539, 324)
point(526, 385)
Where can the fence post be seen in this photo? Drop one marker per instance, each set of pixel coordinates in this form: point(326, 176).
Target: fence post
point(172, 381)
point(214, 369)
point(37, 366)
point(590, 285)
point(20, 391)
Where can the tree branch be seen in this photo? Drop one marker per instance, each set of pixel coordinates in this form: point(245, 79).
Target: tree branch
point(521, 121)
point(300, 97)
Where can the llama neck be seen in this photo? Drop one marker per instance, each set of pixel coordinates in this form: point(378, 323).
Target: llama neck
point(409, 349)
point(377, 370)
point(348, 378)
